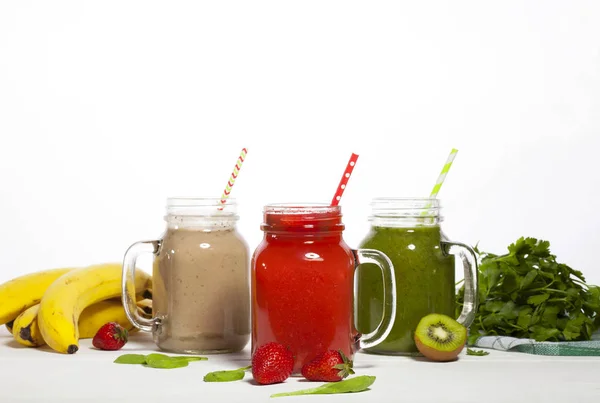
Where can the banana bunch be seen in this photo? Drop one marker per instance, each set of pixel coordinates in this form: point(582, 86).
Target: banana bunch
point(26, 330)
point(58, 307)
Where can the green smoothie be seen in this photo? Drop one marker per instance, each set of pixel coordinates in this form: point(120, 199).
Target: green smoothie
point(424, 281)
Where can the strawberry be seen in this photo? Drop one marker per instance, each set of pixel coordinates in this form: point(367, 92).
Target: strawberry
point(272, 363)
point(330, 366)
point(111, 336)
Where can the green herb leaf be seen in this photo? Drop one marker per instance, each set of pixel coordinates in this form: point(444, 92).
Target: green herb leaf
point(526, 293)
point(162, 361)
point(478, 353)
point(167, 363)
point(131, 359)
point(537, 299)
point(190, 358)
point(226, 376)
point(156, 356)
point(352, 385)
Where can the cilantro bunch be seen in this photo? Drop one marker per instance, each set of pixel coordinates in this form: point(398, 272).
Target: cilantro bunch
point(526, 293)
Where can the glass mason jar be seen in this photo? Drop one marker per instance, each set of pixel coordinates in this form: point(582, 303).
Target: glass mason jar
point(408, 231)
point(303, 284)
point(201, 295)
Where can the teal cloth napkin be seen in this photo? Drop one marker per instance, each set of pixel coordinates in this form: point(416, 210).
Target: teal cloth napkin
point(530, 346)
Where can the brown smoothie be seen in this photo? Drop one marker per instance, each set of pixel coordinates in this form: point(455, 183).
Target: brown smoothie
point(201, 290)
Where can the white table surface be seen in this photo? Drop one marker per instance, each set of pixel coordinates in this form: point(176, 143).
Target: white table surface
point(39, 375)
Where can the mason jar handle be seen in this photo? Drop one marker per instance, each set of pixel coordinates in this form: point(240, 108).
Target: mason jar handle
point(128, 284)
point(469, 260)
point(381, 332)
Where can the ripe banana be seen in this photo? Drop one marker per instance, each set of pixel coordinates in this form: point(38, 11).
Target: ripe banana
point(68, 296)
point(145, 307)
point(99, 314)
point(26, 330)
point(25, 291)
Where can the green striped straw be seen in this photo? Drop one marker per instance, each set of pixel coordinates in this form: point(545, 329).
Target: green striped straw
point(441, 178)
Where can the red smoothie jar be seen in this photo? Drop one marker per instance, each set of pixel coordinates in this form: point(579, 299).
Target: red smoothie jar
point(303, 286)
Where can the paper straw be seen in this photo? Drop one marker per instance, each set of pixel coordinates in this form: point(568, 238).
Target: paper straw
point(234, 174)
point(344, 181)
point(440, 180)
point(442, 177)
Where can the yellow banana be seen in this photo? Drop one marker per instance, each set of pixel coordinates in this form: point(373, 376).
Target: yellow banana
point(145, 307)
point(26, 330)
point(99, 314)
point(25, 291)
point(68, 296)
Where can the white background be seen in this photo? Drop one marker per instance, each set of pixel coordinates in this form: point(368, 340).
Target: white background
point(107, 108)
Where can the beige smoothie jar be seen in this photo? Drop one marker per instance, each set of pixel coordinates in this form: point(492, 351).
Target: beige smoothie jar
point(200, 296)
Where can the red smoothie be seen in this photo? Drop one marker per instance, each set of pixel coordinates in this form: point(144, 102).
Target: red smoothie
point(303, 282)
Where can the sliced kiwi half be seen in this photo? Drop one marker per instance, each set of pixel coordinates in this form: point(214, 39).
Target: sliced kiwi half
point(440, 338)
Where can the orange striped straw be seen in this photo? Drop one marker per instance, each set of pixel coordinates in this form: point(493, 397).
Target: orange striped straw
point(234, 174)
point(344, 181)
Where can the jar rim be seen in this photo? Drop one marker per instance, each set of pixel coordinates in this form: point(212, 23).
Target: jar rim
point(393, 211)
point(202, 207)
point(416, 200)
point(301, 208)
point(184, 201)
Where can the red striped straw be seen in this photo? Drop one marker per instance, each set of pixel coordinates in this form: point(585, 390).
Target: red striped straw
point(234, 174)
point(344, 181)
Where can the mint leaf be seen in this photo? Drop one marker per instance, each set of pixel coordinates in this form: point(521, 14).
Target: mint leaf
point(131, 359)
point(479, 353)
point(352, 385)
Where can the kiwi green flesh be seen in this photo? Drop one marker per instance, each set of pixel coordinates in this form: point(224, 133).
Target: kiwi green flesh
point(441, 332)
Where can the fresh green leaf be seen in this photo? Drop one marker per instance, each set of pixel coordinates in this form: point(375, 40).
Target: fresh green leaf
point(494, 306)
point(156, 356)
point(472, 339)
point(131, 359)
point(224, 376)
point(541, 333)
point(478, 353)
point(526, 293)
point(190, 358)
point(509, 311)
point(167, 364)
point(528, 279)
point(537, 299)
point(352, 385)
point(162, 361)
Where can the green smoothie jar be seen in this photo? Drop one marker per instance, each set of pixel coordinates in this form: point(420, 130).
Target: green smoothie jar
point(408, 231)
